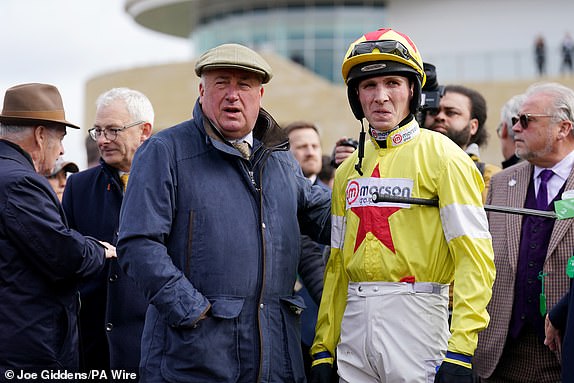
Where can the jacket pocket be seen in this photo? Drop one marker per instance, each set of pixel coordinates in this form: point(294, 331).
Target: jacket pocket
point(208, 352)
point(65, 333)
point(291, 309)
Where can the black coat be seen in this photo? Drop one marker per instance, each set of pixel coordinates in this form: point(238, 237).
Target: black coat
point(41, 263)
point(113, 308)
point(562, 317)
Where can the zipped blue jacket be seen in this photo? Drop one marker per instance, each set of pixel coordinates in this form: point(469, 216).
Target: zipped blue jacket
point(203, 230)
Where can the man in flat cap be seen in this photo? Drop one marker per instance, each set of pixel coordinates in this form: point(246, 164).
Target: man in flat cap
point(41, 259)
point(213, 238)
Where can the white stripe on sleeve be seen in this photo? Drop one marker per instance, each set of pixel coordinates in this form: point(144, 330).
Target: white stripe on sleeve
point(337, 231)
point(464, 220)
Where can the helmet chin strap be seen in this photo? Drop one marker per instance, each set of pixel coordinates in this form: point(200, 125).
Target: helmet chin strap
point(361, 149)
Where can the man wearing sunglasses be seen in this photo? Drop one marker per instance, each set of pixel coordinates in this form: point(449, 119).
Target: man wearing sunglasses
point(113, 309)
point(530, 252)
point(384, 308)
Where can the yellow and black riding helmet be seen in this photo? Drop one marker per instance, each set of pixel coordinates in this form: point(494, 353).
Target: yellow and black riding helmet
point(382, 52)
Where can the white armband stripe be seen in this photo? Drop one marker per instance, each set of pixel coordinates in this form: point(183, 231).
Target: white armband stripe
point(337, 231)
point(464, 220)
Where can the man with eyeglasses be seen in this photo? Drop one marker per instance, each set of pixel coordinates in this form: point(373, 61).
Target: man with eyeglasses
point(113, 308)
point(530, 252)
point(508, 118)
point(384, 309)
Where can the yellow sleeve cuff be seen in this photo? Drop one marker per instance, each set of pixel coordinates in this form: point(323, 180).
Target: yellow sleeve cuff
point(459, 362)
point(323, 360)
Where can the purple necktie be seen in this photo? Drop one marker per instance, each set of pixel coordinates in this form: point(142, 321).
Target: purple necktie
point(542, 197)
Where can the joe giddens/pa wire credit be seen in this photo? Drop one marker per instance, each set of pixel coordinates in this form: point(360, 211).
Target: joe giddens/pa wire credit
point(59, 375)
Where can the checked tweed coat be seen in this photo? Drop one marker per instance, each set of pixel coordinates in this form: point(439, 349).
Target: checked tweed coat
point(508, 188)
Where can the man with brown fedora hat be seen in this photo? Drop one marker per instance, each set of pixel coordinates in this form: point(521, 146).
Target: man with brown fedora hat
point(41, 259)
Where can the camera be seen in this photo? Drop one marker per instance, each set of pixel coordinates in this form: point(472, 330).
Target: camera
point(350, 142)
point(430, 94)
point(432, 91)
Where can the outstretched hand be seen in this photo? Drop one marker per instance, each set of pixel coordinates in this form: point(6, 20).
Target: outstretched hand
point(110, 250)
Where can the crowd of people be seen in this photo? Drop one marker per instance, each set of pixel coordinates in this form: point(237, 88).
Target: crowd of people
point(244, 254)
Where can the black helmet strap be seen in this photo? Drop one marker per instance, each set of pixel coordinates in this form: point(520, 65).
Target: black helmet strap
point(361, 149)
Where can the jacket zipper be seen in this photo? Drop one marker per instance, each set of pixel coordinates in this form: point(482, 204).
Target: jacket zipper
point(262, 227)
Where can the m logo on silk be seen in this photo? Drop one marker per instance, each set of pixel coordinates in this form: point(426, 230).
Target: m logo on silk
point(360, 191)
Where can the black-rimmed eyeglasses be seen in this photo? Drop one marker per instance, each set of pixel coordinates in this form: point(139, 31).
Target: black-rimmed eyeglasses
point(111, 133)
point(526, 118)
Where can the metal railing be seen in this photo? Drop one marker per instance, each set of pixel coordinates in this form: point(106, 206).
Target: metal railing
point(493, 66)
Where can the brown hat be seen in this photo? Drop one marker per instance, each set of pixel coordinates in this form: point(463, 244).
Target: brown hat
point(67, 166)
point(33, 103)
point(234, 56)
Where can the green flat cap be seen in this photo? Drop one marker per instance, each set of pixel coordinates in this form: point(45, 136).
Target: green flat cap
point(234, 56)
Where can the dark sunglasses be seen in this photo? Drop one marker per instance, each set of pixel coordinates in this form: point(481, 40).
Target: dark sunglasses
point(525, 118)
point(384, 46)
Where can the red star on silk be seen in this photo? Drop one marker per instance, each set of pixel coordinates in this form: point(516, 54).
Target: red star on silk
point(375, 219)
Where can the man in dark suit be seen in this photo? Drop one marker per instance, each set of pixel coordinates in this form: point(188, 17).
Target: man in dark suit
point(530, 252)
point(113, 309)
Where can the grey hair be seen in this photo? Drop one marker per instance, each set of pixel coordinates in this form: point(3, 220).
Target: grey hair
point(563, 99)
point(510, 109)
point(137, 104)
point(14, 130)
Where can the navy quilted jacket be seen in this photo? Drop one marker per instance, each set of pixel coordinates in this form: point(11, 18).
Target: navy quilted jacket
point(201, 227)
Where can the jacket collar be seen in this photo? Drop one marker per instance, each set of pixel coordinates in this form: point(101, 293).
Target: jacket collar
point(110, 172)
point(405, 132)
point(266, 130)
point(21, 151)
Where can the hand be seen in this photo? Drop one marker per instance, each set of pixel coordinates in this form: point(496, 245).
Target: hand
point(206, 313)
point(453, 373)
point(552, 339)
point(321, 373)
point(341, 151)
point(110, 249)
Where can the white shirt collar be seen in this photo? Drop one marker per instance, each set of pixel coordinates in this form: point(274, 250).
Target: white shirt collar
point(561, 172)
point(561, 169)
point(248, 138)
